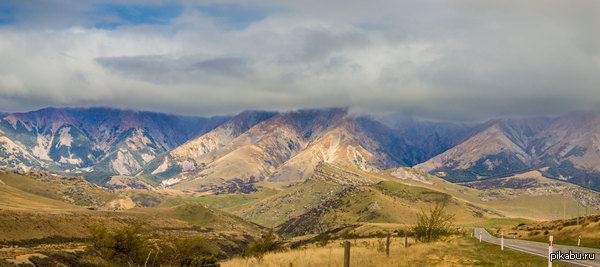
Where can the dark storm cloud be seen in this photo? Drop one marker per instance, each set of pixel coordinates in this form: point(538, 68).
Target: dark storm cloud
point(161, 69)
point(461, 59)
point(235, 67)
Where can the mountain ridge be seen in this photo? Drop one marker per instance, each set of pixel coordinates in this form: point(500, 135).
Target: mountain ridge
point(189, 152)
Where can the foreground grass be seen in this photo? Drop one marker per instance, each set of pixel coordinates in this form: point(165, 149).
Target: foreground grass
point(457, 251)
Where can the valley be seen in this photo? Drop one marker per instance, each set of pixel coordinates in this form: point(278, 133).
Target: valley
point(301, 174)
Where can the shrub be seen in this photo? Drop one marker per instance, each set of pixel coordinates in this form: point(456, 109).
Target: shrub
point(204, 261)
point(379, 234)
point(349, 235)
point(130, 246)
point(534, 232)
point(433, 225)
point(186, 251)
point(122, 246)
point(258, 248)
point(323, 240)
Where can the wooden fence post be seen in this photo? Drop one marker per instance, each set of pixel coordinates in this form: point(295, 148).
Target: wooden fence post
point(405, 239)
point(387, 245)
point(346, 254)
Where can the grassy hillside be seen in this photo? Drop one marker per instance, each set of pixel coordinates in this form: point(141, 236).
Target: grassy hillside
point(384, 202)
point(73, 190)
point(197, 214)
point(510, 197)
point(13, 198)
point(61, 235)
point(36, 215)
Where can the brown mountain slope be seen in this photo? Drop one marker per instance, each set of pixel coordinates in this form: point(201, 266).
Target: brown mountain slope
point(565, 148)
point(259, 152)
point(490, 150)
point(340, 147)
point(189, 154)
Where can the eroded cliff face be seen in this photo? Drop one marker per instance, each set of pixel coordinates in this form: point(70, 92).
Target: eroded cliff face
point(83, 140)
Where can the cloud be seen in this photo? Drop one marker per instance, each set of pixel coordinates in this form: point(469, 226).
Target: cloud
point(459, 59)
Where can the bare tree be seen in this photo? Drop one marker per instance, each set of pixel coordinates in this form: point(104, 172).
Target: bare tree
point(433, 225)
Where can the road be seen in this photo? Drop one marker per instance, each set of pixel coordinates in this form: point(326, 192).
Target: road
point(539, 249)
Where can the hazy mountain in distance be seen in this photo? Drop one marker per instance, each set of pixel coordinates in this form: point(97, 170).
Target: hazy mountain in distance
point(496, 147)
point(412, 140)
point(564, 147)
point(569, 149)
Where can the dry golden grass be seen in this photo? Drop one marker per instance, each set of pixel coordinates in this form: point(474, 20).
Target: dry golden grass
point(457, 251)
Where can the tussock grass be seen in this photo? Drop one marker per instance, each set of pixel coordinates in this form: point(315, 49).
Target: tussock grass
point(457, 251)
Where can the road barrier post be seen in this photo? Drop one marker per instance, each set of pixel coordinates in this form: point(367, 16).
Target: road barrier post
point(502, 241)
point(579, 241)
point(346, 254)
point(480, 233)
point(550, 250)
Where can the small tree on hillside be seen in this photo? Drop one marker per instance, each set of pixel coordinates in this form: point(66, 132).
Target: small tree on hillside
point(432, 225)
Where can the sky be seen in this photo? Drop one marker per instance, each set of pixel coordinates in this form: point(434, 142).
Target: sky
point(443, 59)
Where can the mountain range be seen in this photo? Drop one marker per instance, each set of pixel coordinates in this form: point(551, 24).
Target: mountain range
point(121, 148)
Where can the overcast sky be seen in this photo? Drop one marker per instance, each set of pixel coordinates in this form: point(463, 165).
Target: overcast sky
point(447, 59)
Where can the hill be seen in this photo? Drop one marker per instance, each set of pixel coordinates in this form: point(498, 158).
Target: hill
point(336, 197)
point(562, 148)
point(52, 188)
point(41, 214)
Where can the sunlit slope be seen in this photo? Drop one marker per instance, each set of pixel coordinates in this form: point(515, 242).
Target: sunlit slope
point(71, 190)
point(13, 198)
point(528, 195)
point(334, 197)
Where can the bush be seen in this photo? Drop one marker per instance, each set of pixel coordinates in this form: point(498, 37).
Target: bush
point(435, 224)
point(401, 232)
point(534, 232)
point(379, 234)
point(258, 248)
point(349, 235)
point(323, 240)
point(122, 246)
point(130, 246)
point(204, 261)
